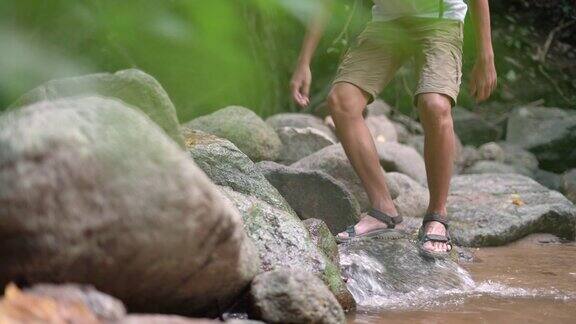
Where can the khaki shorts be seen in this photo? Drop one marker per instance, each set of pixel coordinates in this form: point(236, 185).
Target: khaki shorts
point(383, 47)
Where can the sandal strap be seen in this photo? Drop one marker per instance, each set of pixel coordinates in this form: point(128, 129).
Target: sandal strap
point(435, 217)
point(351, 231)
point(436, 238)
point(391, 221)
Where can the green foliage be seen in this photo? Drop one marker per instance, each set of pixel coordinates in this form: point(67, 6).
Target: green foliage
point(207, 54)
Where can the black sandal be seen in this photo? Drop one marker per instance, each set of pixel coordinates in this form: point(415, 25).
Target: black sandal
point(390, 221)
point(423, 238)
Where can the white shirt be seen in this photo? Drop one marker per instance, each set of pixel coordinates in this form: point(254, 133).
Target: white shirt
point(385, 10)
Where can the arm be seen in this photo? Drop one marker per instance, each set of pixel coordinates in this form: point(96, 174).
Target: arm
point(483, 80)
point(302, 77)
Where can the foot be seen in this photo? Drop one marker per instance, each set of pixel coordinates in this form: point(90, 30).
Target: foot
point(366, 224)
point(438, 229)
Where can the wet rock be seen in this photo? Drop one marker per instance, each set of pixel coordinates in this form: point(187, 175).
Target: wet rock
point(391, 273)
point(283, 241)
point(294, 297)
point(132, 86)
point(473, 129)
point(104, 307)
point(491, 151)
point(300, 120)
point(402, 158)
point(227, 166)
point(333, 161)
point(568, 185)
point(242, 127)
point(313, 194)
point(323, 238)
point(495, 209)
point(548, 179)
point(412, 197)
point(382, 129)
point(300, 142)
point(482, 167)
point(549, 133)
point(111, 201)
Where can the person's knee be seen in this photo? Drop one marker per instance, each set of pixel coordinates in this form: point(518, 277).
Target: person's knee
point(435, 109)
point(343, 105)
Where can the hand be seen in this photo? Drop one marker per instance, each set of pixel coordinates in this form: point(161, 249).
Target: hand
point(300, 85)
point(483, 81)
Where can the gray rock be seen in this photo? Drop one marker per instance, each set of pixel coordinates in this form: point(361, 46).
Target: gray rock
point(227, 166)
point(283, 241)
point(300, 142)
point(568, 185)
point(469, 156)
point(417, 142)
point(292, 297)
point(323, 238)
point(495, 209)
point(548, 179)
point(549, 133)
point(491, 151)
point(378, 108)
point(132, 86)
point(242, 127)
point(473, 129)
point(104, 307)
point(313, 194)
point(300, 120)
point(111, 201)
point(482, 167)
point(412, 198)
point(404, 134)
point(402, 158)
point(390, 273)
point(518, 157)
point(333, 161)
point(411, 125)
point(382, 129)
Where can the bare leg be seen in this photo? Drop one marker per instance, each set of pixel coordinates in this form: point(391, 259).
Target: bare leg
point(435, 114)
point(346, 103)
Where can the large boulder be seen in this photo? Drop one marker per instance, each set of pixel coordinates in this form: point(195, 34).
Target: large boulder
point(382, 129)
point(300, 120)
point(549, 133)
point(242, 127)
point(550, 180)
point(280, 237)
point(323, 238)
point(313, 194)
point(300, 142)
point(518, 157)
point(568, 185)
point(333, 161)
point(495, 209)
point(391, 273)
point(284, 242)
point(225, 165)
point(132, 86)
point(293, 297)
point(94, 192)
point(402, 158)
point(473, 129)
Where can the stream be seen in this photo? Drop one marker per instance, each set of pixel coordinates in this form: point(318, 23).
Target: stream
point(525, 282)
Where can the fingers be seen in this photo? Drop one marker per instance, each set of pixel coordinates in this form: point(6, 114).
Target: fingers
point(300, 93)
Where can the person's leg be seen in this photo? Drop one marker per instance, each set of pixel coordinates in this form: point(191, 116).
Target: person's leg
point(346, 103)
point(436, 118)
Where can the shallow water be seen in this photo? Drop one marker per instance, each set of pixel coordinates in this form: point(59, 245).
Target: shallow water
point(521, 283)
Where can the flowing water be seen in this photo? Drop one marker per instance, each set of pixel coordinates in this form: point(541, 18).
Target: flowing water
point(527, 282)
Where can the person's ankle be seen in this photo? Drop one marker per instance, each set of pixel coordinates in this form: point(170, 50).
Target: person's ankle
point(441, 211)
point(386, 207)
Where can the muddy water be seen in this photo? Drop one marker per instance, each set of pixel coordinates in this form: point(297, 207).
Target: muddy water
point(527, 282)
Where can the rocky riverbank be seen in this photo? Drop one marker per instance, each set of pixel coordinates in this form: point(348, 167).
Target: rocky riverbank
point(230, 215)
